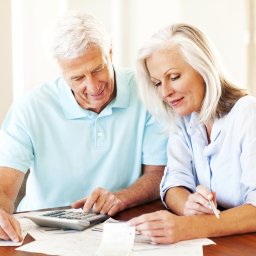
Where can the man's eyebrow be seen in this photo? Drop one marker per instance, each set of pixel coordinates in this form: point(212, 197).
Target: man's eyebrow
point(101, 65)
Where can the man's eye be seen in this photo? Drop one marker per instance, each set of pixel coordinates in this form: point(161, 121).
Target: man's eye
point(78, 79)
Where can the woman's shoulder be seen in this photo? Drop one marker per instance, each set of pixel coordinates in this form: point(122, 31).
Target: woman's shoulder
point(244, 107)
point(246, 102)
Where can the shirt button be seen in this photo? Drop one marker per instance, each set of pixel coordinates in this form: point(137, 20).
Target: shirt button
point(99, 134)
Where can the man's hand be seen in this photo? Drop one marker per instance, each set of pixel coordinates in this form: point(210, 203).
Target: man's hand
point(100, 201)
point(198, 202)
point(9, 227)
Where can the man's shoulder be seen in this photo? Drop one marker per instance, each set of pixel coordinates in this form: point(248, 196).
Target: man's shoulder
point(40, 95)
point(43, 90)
point(126, 75)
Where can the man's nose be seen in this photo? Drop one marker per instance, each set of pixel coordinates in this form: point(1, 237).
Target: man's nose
point(91, 85)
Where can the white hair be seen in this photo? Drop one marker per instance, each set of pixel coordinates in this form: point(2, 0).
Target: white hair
point(197, 52)
point(74, 33)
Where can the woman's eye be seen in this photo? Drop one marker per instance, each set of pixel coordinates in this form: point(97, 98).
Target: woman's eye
point(156, 84)
point(173, 78)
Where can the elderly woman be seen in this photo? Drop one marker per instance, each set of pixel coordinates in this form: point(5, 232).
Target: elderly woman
point(212, 139)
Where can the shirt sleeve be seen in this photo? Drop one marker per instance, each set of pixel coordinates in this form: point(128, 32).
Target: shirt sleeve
point(179, 170)
point(154, 143)
point(248, 155)
point(16, 149)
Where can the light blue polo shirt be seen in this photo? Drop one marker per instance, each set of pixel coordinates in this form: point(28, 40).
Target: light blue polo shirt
point(71, 151)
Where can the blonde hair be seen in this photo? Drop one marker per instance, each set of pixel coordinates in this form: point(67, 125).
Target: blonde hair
point(197, 52)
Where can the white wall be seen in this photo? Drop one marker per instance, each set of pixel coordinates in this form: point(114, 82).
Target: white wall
point(6, 59)
point(225, 23)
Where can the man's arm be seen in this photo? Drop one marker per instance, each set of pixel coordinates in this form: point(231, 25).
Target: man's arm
point(10, 183)
point(143, 190)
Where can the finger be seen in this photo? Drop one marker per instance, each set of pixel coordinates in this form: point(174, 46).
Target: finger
point(148, 227)
point(204, 192)
point(97, 207)
point(102, 199)
point(163, 240)
point(16, 225)
point(110, 202)
point(197, 207)
point(159, 232)
point(91, 199)
point(9, 230)
point(190, 212)
point(148, 221)
point(143, 218)
point(79, 203)
point(198, 199)
point(3, 235)
point(114, 209)
point(214, 199)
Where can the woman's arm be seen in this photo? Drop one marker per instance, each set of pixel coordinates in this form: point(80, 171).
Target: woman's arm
point(165, 227)
point(176, 198)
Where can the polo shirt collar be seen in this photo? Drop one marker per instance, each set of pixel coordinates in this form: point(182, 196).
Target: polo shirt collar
point(72, 110)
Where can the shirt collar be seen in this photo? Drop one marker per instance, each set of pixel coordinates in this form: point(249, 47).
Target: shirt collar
point(72, 110)
point(193, 125)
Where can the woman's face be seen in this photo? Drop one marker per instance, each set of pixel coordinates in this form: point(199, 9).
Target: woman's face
point(179, 85)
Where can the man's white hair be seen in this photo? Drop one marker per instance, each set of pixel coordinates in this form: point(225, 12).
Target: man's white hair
point(74, 33)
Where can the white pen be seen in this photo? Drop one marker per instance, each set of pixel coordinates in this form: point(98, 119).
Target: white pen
point(215, 210)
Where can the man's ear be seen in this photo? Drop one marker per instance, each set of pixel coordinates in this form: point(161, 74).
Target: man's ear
point(110, 54)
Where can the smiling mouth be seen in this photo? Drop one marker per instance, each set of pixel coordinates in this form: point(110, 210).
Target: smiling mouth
point(174, 103)
point(98, 94)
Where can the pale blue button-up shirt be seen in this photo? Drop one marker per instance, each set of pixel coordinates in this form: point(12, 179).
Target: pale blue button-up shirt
point(227, 165)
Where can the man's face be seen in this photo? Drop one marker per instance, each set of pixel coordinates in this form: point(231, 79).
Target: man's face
point(91, 78)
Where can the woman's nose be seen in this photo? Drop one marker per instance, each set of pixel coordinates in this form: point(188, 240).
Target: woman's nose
point(166, 89)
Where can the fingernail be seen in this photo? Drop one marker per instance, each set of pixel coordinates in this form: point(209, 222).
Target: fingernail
point(16, 240)
point(209, 196)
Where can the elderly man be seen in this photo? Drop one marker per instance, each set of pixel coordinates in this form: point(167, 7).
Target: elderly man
point(84, 134)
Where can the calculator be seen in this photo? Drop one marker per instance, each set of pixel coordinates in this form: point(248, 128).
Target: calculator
point(67, 219)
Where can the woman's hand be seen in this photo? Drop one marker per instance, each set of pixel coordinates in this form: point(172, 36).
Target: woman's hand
point(161, 226)
point(198, 202)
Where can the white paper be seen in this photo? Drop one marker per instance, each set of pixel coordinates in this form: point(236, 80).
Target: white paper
point(88, 242)
point(177, 251)
point(141, 243)
point(118, 239)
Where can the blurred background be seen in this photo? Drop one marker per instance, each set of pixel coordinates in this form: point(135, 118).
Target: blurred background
point(231, 25)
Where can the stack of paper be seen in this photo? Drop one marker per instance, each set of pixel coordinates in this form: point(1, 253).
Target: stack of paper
point(112, 238)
